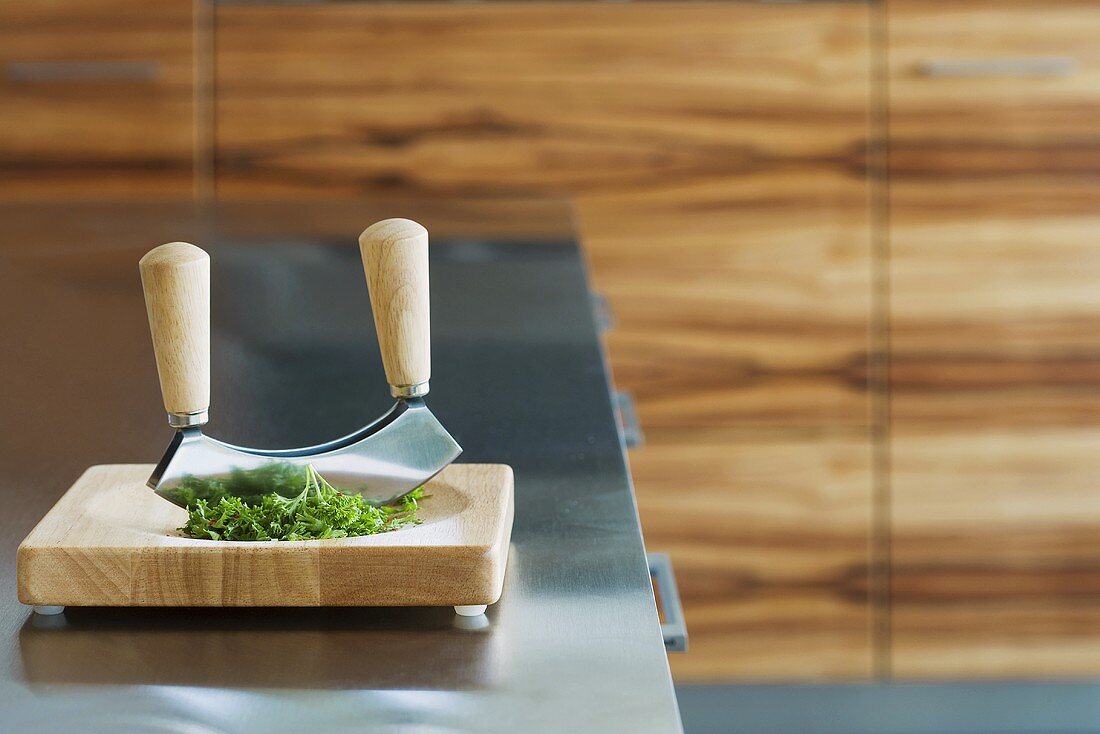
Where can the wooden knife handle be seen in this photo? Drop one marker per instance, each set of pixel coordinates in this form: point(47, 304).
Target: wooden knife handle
point(395, 259)
point(176, 281)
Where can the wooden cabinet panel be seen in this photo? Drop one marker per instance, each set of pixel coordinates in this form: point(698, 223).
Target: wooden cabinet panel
point(739, 304)
point(993, 88)
point(570, 97)
point(997, 557)
point(769, 537)
point(97, 98)
point(715, 152)
point(716, 155)
point(995, 331)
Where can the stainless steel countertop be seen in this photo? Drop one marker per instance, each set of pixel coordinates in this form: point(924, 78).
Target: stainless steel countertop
point(574, 645)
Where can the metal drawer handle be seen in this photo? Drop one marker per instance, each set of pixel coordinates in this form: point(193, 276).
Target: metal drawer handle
point(601, 309)
point(673, 628)
point(1034, 66)
point(82, 71)
point(628, 419)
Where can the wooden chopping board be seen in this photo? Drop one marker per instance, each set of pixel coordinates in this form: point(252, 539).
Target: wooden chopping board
point(110, 541)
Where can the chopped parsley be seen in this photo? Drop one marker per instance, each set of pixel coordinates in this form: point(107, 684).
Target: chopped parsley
point(284, 502)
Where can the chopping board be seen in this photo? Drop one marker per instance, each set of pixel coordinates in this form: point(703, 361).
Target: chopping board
point(110, 541)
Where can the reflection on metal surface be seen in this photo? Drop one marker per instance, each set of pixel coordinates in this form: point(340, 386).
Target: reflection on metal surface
point(388, 458)
point(77, 716)
point(316, 649)
point(471, 624)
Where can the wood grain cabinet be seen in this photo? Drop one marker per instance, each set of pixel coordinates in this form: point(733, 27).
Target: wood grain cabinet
point(716, 154)
point(96, 98)
point(995, 330)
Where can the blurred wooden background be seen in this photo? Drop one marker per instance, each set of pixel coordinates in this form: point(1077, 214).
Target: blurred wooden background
point(849, 248)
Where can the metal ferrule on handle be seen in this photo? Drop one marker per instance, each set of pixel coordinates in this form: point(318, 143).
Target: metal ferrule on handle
point(418, 390)
point(188, 420)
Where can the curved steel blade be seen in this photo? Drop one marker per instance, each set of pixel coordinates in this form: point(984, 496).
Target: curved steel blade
point(383, 461)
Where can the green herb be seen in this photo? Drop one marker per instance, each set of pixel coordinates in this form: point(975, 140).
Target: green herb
point(250, 485)
point(314, 510)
